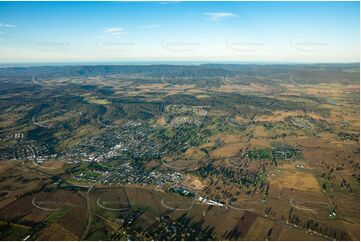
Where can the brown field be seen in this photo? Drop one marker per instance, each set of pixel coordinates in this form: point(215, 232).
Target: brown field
point(278, 116)
point(193, 182)
point(113, 198)
point(225, 138)
point(194, 153)
point(260, 143)
point(76, 218)
point(227, 224)
point(207, 145)
point(55, 198)
point(202, 96)
point(15, 188)
point(318, 150)
point(101, 230)
point(14, 205)
point(260, 132)
point(56, 232)
point(296, 235)
point(178, 203)
point(160, 121)
point(49, 200)
point(182, 164)
point(353, 229)
point(6, 165)
point(241, 228)
point(53, 164)
point(296, 180)
point(22, 208)
point(152, 164)
point(255, 88)
point(6, 201)
point(318, 154)
point(227, 150)
point(259, 230)
point(145, 197)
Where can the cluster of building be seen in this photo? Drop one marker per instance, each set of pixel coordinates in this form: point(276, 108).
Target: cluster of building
point(182, 191)
point(182, 114)
point(129, 172)
point(24, 149)
point(127, 146)
point(300, 122)
point(185, 192)
point(181, 108)
point(176, 121)
point(131, 141)
point(210, 202)
point(160, 178)
point(118, 155)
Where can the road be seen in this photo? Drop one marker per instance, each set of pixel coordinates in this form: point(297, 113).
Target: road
point(180, 168)
point(241, 209)
point(236, 125)
point(289, 225)
point(231, 165)
point(35, 81)
point(86, 231)
point(228, 82)
point(90, 187)
point(176, 209)
point(111, 209)
point(42, 208)
point(291, 80)
point(105, 125)
point(301, 208)
point(39, 124)
point(203, 116)
point(162, 79)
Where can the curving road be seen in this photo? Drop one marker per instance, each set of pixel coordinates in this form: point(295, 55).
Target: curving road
point(180, 168)
point(35, 81)
point(301, 208)
point(167, 83)
point(105, 125)
point(236, 125)
point(228, 82)
point(39, 124)
point(242, 209)
point(176, 209)
point(110, 209)
point(86, 231)
point(293, 81)
point(234, 166)
point(42, 208)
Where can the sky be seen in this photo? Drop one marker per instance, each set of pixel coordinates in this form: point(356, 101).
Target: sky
point(245, 32)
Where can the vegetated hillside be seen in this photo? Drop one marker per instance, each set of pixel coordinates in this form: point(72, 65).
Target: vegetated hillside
point(303, 73)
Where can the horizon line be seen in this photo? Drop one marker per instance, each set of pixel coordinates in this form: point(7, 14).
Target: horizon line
point(128, 63)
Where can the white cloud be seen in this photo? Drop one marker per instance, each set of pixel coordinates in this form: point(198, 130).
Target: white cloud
point(115, 31)
point(215, 16)
point(151, 26)
point(7, 25)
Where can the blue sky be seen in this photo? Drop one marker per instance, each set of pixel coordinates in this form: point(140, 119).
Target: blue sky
point(182, 31)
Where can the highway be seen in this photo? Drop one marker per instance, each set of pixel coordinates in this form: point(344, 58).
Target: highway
point(86, 231)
